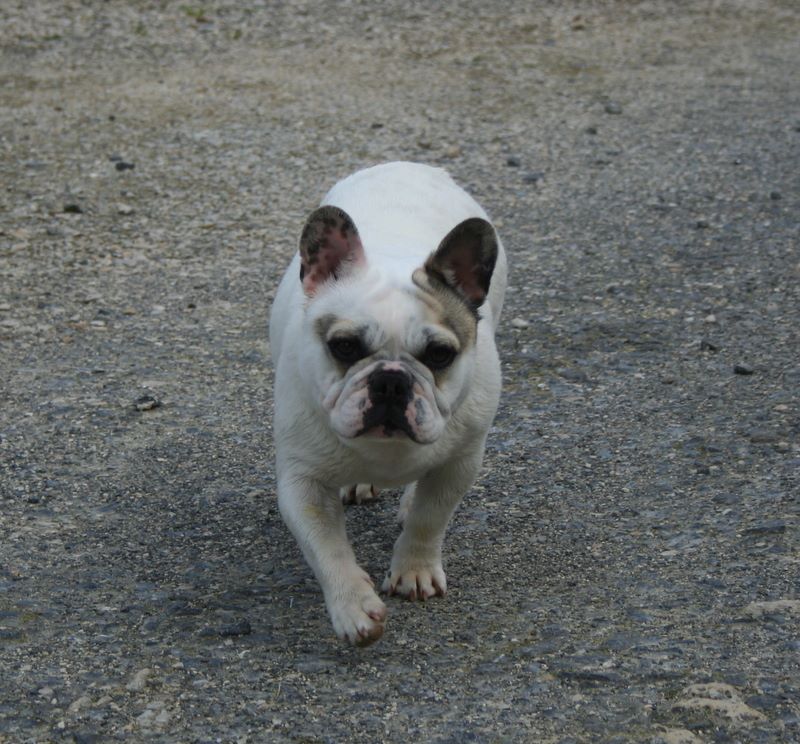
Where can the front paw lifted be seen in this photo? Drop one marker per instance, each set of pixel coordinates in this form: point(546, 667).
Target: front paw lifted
point(419, 583)
point(358, 615)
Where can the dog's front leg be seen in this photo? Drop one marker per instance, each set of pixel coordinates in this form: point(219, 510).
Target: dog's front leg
point(315, 515)
point(416, 571)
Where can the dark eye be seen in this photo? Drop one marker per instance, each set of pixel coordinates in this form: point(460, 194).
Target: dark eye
point(346, 349)
point(438, 356)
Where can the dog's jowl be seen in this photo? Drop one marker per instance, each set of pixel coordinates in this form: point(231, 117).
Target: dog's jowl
point(386, 375)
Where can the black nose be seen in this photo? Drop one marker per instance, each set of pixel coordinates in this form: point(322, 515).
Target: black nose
point(389, 386)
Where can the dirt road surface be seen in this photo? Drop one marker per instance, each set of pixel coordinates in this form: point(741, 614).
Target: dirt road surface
point(627, 567)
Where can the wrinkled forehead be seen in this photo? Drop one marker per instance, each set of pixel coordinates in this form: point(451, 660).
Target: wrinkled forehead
point(382, 315)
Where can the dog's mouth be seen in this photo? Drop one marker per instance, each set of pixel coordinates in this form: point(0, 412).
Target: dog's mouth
point(386, 421)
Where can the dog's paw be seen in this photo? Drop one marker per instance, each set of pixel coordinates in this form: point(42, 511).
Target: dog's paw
point(419, 582)
point(358, 493)
point(357, 613)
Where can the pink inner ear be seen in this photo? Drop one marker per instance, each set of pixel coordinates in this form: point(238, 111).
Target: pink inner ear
point(334, 251)
point(464, 274)
point(330, 248)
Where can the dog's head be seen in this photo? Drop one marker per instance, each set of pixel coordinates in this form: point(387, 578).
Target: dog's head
point(391, 360)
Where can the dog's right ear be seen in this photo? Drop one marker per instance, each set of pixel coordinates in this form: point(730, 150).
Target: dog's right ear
point(329, 248)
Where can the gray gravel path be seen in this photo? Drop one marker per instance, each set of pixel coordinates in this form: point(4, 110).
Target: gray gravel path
point(627, 568)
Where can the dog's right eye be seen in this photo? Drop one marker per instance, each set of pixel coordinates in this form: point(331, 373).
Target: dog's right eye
point(347, 350)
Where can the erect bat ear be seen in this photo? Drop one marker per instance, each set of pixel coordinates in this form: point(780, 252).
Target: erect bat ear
point(329, 247)
point(465, 260)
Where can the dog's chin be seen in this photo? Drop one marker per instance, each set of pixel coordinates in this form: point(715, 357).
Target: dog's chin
point(385, 433)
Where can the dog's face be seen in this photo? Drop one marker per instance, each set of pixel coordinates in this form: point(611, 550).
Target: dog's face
point(391, 362)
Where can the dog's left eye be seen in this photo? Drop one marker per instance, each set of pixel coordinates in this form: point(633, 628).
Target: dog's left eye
point(438, 356)
point(347, 350)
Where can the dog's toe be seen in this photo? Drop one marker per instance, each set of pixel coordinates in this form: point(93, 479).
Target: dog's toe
point(358, 493)
point(421, 583)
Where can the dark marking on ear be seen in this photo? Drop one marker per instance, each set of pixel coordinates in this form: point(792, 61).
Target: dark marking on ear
point(465, 259)
point(329, 247)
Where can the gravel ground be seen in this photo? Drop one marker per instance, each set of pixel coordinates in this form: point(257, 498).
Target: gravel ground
point(627, 568)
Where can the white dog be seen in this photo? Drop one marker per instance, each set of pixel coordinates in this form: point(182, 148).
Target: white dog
point(386, 374)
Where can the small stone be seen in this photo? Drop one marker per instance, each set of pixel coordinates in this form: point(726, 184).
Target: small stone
point(424, 144)
point(125, 209)
point(710, 318)
point(591, 129)
point(758, 610)
point(122, 165)
point(742, 369)
point(775, 195)
point(72, 208)
point(578, 23)
point(770, 527)
point(242, 627)
point(519, 323)
point(763, 436)
point(534, 177)
point(706, 345)
point(377, 125)
point(614, 108)
point(513, 162)
point(702, 224)
point(146, 403)
point(453, 151)
point(145, 720)
point(678, 736)
point(139, 680)
point(81, 702)
point(718, 698)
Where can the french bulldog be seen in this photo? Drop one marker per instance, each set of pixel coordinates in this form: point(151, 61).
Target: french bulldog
point(386, 375)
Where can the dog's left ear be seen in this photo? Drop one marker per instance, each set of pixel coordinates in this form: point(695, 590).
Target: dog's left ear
point(465, 260)
point(329, 248)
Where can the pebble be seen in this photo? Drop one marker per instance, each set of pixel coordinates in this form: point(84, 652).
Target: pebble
point(146, 403)
point(769, 527)
point(139, 680)
point(242, 627)
point(73, 208)
point(614, 108)
point(81, 702)
point(677, 736)
point(125, 209)
point(775, 195)
point(763, 436)
point(718, 698)
point(513, 162)
point(758, 610)
point(519, 323)
point(742, 369)
point(706, 345)
point(533, 177)
point(122, 165)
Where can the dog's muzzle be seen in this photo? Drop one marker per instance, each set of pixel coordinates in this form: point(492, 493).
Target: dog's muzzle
point(390, 393)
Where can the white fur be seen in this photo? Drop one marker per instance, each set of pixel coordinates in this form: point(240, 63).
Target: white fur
point(402, 212)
